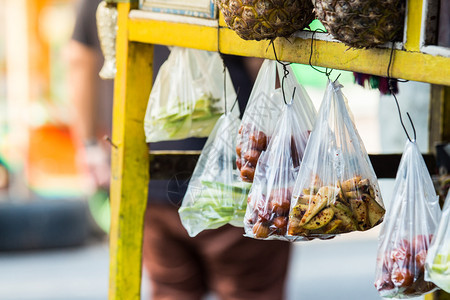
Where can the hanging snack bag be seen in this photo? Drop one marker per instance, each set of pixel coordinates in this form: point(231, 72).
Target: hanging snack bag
point(215, 196)
point(258, 121)
point(336, 190)
point(277, 168)
point(437, 265)
point(187, 97)
point(407, 231)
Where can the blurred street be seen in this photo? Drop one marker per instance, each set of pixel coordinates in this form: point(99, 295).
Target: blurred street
point(342, 268)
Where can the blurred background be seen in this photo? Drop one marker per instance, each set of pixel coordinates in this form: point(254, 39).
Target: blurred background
point(53, 227)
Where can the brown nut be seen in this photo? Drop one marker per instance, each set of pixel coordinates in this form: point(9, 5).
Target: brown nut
point(281, 224)
point(238, 149)
point(280, 206)
point(260, 230)
point(252, 156)
point(238, 163)
point(420, 260)
point(402, 277)
point(247, 173)
point(258, 140)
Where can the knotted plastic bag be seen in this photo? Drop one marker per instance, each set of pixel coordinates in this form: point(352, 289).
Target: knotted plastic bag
point(336, 190)
point(407, 230)
point(187, 97)
point(258, 121)
point(215, 196)
point(270, 196)
point(437, 265)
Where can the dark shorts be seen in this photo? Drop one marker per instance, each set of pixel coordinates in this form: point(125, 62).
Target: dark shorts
point(221, 260)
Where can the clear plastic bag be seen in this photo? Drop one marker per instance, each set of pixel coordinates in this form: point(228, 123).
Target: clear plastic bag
point(336, 190)
point(437, 265)
point(215, 196)
point(258, 121)
point(277, 168)
point(187, 97)
point(407, 230)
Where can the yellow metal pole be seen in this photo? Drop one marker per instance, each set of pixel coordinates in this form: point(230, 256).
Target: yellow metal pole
point(130, 161)
point(413, 25)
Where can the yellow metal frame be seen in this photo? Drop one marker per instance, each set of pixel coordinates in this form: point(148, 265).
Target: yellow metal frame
point(133, 83)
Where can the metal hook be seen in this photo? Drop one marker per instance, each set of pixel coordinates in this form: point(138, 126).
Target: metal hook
point(237, 98)
point(285, 70)
point(327, 73)
point(108, 139)
point(391, 89)
point(224, 82)
point(293, 93)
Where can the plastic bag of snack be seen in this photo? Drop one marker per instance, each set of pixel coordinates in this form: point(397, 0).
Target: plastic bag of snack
point(336, 190)
point(437, 264)
point(215, 195)
point(270, 196)
point(258, 121)
point(411, 219)
point(187, 97)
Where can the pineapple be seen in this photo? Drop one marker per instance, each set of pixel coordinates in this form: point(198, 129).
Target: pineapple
point(362, 23)
point(266, 19)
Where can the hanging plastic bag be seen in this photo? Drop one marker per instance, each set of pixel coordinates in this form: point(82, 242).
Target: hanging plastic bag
point(215, 196)
point(437, 265)
point(187, 97)
point(270, 196)
point(258, 121)
point(336, 190)
point(407, 230)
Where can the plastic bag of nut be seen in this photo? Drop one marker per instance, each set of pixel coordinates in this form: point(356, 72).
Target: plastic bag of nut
point(336, 190)
point(258, 121)
point(411, 220)
point(270, 196)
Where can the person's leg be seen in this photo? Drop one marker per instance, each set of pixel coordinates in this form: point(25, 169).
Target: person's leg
point(243, 268)
point(168, 256)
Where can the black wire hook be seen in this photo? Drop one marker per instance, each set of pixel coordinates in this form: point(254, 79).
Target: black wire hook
point(237, 98)
point(285, 70)
point(293, 93)
point(391, 89)
point(224, 81)
point(326, 72)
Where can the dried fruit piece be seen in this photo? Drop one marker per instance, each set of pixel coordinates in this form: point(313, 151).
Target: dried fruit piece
point(320, 220)
point(359, 210)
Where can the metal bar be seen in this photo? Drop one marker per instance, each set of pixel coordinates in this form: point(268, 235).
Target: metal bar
point(129, 178)
point(415, 66)
point(166, 165)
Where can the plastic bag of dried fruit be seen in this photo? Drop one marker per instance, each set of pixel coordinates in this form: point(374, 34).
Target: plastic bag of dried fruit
point(215, 195)
point(187, 97)
point(258, 121)
point(270, 196)
point(407, 230)
point(336, 190)
point(437, 265)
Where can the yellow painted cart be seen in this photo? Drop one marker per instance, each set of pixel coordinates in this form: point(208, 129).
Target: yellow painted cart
point(138, 30)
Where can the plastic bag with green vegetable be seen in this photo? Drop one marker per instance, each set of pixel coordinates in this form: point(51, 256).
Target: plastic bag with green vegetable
point(187, 97)
point(215, 196)
point(437, 265)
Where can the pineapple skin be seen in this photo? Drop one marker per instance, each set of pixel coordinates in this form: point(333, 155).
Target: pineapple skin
point(266, 19)
point(362, 23)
